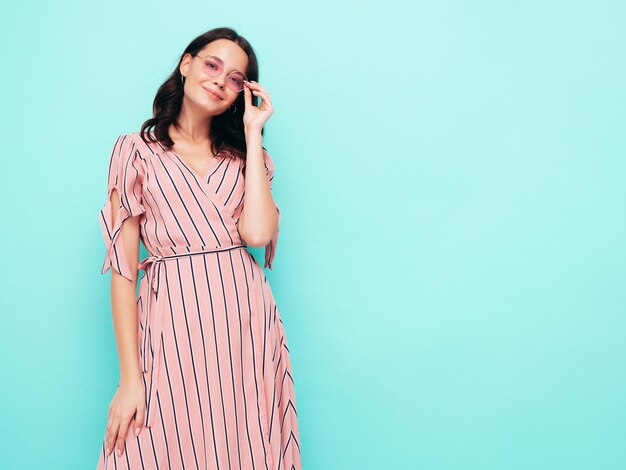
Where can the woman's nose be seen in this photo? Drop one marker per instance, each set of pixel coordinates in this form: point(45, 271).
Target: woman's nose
point(219, 80)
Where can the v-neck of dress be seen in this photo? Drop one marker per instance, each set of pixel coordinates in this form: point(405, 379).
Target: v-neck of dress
point(192, 171)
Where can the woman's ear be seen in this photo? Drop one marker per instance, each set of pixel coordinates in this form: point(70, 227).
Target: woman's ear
point(184, 64)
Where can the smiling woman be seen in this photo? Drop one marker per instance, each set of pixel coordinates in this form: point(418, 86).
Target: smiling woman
point(208, 383)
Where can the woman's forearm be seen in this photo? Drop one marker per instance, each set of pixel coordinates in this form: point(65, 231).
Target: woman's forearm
point(259, 217)
point(124, 307)
point(124, 300)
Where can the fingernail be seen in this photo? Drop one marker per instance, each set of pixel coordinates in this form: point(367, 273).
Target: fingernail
point(108, 451)
point(137, 431)
point(119, 452)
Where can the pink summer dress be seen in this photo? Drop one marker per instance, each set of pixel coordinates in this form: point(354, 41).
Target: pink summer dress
point(212, 349)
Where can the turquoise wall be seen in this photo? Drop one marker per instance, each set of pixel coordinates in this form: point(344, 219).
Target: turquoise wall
point(451, 263)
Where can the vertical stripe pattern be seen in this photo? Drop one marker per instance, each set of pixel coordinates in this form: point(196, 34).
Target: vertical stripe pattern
point(211, 343)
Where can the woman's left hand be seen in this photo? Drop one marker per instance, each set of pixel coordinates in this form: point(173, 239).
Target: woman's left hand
point(255, 117)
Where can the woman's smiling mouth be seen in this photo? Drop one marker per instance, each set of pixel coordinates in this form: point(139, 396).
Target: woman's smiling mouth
point(213, 94)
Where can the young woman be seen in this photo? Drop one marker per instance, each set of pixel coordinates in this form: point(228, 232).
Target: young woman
point(205, 371)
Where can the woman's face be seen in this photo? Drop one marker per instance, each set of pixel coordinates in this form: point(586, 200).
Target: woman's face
point(199, 87)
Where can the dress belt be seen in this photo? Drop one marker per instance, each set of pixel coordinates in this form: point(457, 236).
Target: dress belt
point(152, 266)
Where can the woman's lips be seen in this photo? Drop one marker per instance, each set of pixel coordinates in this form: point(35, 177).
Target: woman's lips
point(213, 94)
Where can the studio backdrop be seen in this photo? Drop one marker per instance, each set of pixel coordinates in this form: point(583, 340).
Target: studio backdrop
point(451, 265)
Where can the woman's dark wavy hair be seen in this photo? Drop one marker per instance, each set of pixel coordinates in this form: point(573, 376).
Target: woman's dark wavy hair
point(227, 131)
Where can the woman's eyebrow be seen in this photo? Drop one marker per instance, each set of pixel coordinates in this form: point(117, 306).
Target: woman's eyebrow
point(222, 62)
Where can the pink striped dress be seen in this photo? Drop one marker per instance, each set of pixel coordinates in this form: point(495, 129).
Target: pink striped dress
point(214, 357)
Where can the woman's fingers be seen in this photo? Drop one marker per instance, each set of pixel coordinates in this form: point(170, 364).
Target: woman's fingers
point(127, 408)
point(253, 84)
point(121, 435)
point(265, 104)
point(116, 433)
point(261, 94)
point(258, 90)
point(256, 85)
point(111, 436)
point(246, 96)
point(257, 115)
point(139, 417)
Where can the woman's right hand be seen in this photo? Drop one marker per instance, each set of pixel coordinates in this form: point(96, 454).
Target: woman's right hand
point(127, 403)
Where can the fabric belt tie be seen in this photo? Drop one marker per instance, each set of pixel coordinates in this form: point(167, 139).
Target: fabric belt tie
point(154, 316)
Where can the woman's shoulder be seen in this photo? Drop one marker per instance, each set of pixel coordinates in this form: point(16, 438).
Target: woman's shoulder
point(131, 150)
point(144, 146)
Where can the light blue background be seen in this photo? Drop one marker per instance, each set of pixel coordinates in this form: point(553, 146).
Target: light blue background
point(451, 265)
